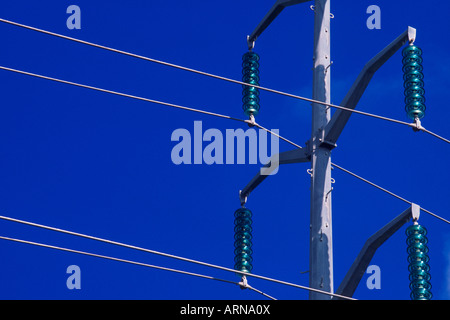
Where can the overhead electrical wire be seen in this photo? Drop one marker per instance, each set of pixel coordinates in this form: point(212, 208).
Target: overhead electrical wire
point(167, 104)
point(388, 192)
point(135, 263)
point(202, 72)
point(413, 125)
point(259, 291)
point(199, 111)
point(371, 183)
point(158, 253)
point(434, 135)
point(189, 109)
point(277, 135)
point(120, 94)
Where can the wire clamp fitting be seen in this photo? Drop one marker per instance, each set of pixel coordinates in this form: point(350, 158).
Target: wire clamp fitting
point(417, 125)
point(251, 122)
point(243, 284)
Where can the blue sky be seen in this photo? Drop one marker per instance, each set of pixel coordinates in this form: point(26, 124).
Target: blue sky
point(100, 164)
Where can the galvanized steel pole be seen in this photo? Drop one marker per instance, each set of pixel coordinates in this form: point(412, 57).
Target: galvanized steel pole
point(321, 244)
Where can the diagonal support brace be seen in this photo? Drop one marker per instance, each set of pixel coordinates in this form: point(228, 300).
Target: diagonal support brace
point(359, 266)
point(340, 117)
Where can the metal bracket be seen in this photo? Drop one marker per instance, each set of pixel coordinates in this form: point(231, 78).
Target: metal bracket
point(242, 199)
point(415, 211)
point(250, 43)
point(327, 144)
point(411, 35)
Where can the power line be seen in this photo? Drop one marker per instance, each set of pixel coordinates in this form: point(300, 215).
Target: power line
point(434, 215)
point(371, 183)
point(215, 114)
point(434, 135)
point(278, 136)
point(203, 112)
point(167, 104)
point(249, 122)
point(113, 258)
point(212, 114)
point(203, 73)
point(413, 125)
point(112, 242)
point(137, 263)
point(121, 94)
point(162, 254)
point(388, 192)
point(146, 100)
point(134, 263)
point(260, 292)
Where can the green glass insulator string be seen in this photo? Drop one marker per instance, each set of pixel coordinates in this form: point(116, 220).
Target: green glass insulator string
point(250, 75)
point(243, 240)
point(413, 82)
point(418, 259)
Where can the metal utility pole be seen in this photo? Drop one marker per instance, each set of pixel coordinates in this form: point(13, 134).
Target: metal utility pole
point(321, 244)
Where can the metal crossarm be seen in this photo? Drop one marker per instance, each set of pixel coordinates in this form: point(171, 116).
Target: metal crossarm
point(270, 16)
